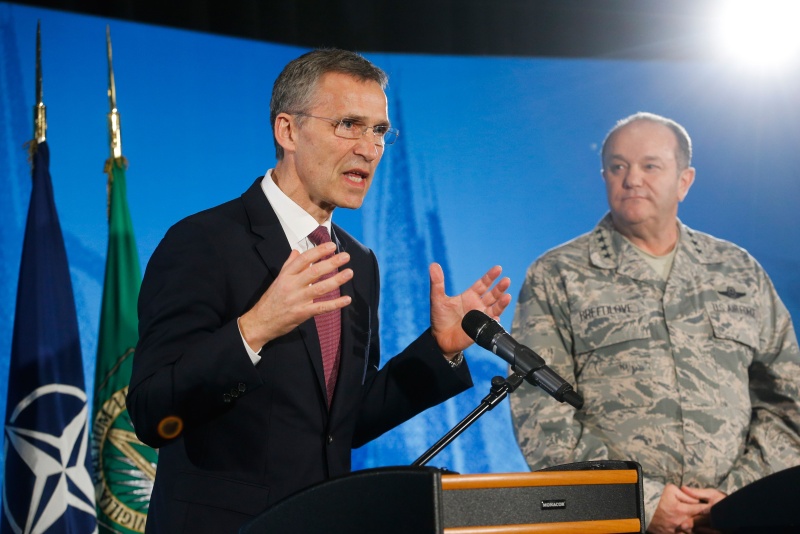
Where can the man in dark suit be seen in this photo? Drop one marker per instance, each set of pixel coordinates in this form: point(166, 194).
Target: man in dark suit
point(257, 365)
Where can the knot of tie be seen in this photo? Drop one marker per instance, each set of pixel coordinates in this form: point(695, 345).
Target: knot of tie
point(320, 235)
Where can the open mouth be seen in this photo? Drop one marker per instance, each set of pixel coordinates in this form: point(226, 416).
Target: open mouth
point(356, 176)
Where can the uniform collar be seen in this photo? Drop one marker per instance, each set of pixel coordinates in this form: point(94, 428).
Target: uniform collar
point(609, 250)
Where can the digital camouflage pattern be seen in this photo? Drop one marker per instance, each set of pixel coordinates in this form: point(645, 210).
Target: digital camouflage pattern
point(696, 378)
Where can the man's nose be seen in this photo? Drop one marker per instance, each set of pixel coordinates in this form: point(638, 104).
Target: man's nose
point(366, 147)
point(633, 177)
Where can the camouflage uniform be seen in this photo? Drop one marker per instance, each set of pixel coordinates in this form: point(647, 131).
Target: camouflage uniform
point(696, 378)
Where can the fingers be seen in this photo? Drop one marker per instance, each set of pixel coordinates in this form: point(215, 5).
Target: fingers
point(680, 510)
point(486, 281)
point(298, 293)
point(320, 288)
point(501, 287)
point(306, 272)
point(436, 272)
point(480, 295)
point(437, 282)
point(293, 265)
point(299, 262)
point(710, 496)
point(325, 306)
point(687, 505)
point(497, 299)
point(686, 498)
point(310, 265)
point(706, 497)
point(692, 492)
point(497, 309)
point(482, 286)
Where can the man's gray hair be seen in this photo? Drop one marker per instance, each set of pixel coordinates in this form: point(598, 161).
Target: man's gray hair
point(683, 155)
point(296, 85)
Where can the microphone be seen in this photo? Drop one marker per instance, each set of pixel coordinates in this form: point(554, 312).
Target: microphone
point(488, 333)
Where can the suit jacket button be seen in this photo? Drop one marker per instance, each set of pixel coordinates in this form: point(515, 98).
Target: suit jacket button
point(234, 392)
point(330, 439)
point(242, 386)
point(226, 398)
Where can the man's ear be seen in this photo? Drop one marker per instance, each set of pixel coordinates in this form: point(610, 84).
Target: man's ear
point(685, 181)
point(285, 131)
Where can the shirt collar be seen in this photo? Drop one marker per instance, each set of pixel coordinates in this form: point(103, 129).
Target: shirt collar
point(296, 222)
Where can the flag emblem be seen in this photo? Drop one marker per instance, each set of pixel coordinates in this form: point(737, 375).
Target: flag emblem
point(54, 456)
point(125, 467)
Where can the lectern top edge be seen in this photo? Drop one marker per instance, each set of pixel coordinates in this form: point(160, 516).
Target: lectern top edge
point(549, 478)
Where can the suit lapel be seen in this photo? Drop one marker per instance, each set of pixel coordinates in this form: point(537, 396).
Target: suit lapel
point(348, 312)
point(274, 249)
point(351, 368)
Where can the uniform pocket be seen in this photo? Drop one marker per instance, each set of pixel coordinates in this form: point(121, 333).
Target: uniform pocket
point(613, 358)
point(735, 328)
point(609, 344)
point(735, 321)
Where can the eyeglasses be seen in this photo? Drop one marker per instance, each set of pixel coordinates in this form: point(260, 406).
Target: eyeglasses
point(353, 129)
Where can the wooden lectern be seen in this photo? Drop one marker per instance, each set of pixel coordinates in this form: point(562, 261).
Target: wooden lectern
point(589, 497)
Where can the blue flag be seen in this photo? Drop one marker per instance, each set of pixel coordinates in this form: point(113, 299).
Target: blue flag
point(47, 486)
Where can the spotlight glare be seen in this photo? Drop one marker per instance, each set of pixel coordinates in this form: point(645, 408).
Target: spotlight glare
point(762, 34)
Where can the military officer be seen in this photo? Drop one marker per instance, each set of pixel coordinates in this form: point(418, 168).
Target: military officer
point(686, 357)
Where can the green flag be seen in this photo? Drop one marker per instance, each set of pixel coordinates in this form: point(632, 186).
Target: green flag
point(124, 467)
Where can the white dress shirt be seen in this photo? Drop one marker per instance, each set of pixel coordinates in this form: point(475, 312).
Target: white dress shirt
point(297, 224)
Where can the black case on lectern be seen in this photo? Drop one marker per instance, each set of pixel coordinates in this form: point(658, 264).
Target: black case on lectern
point(769, 505)
point(421, 500)
point(386, 500)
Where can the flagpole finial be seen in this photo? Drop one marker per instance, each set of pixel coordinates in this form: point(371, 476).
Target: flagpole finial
point(114, 129)
point(39, 110)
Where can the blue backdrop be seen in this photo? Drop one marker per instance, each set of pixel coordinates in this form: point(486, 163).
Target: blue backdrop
point(497, 162)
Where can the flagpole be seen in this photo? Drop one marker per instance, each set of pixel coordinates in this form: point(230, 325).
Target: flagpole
point(114, 130)
point(114, 127)
point(46, 428)
point(39, 109)
point(125, 468)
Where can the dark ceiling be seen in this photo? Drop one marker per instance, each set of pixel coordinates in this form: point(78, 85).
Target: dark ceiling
point(627, 29)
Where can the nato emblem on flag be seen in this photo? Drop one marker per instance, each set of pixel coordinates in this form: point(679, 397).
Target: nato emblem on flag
point(47, 486)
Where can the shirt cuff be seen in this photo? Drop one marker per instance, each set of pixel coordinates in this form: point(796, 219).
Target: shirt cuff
point(254, 356)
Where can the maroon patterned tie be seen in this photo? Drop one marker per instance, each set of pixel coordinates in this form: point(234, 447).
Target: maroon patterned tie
point(329, 325)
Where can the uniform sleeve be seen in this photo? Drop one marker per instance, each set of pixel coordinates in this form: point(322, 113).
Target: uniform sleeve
point(773, 440)
point(548, 433)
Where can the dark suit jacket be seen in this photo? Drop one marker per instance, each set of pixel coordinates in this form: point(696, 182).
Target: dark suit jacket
point(253, 435)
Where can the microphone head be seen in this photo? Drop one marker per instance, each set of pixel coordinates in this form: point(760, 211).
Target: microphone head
point(573, 398)
point(481, 328)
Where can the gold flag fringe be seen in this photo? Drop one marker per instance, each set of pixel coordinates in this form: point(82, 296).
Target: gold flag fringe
point(31, 147)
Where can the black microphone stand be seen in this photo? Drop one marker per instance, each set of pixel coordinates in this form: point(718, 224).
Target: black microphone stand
point(501, 387)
